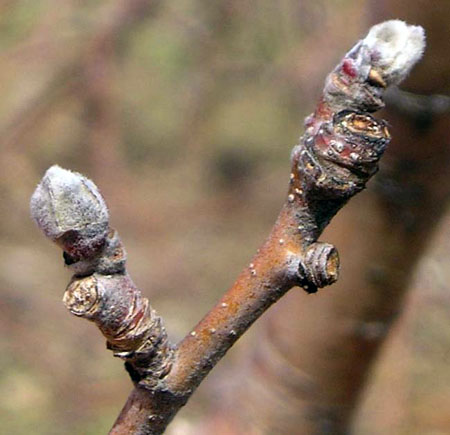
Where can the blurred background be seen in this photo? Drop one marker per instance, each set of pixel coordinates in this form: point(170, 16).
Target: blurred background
point(184, 114)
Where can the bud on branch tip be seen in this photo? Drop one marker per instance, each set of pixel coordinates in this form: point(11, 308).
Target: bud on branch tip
point(69, 210)
point(336, 156)
point(383, 58)
point(395, 47)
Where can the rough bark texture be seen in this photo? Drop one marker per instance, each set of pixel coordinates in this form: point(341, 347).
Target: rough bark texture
point(334, 159)
point(313, 356)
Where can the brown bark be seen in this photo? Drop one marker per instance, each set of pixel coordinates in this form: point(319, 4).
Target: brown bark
point(335, 158)
point(313, 355)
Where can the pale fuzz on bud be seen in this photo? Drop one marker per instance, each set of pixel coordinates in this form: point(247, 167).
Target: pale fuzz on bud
point(69, 210)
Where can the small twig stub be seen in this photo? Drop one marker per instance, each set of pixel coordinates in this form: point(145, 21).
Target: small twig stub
point(333, 161)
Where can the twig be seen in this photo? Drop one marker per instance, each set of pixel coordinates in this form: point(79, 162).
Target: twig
point(310, 365)
point(333, 161)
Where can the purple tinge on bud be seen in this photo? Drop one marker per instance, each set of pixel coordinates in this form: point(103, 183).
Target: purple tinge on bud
point(383, 58)
point(69, 210)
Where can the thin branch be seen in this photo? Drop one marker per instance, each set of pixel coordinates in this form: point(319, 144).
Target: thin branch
point(310, 365)
point(333, 161)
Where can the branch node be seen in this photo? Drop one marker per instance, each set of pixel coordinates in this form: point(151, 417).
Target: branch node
point(319, 267)
point(335, 158)
point(133, 330)
point(81, 296)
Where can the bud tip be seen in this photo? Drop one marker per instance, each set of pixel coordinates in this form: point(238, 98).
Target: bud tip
point(395, 47)
point(69, 209)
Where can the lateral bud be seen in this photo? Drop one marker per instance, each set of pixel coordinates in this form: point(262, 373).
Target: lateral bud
point(319, 266)
point(81, 296)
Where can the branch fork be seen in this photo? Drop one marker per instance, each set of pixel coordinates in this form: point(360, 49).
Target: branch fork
point(333, 161)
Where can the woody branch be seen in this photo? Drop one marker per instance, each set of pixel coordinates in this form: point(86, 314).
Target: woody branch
point(333, 161)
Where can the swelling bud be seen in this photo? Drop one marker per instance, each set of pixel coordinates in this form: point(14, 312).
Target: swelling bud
point(69, 210)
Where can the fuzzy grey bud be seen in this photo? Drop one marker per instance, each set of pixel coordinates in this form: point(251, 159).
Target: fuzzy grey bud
point(394, 47)
point(70, 211)
point(383, 58)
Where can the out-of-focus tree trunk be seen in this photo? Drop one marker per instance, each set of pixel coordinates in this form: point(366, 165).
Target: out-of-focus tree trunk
point(306, 370)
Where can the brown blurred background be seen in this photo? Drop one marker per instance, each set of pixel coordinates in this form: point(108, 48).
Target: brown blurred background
point(184, 114)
